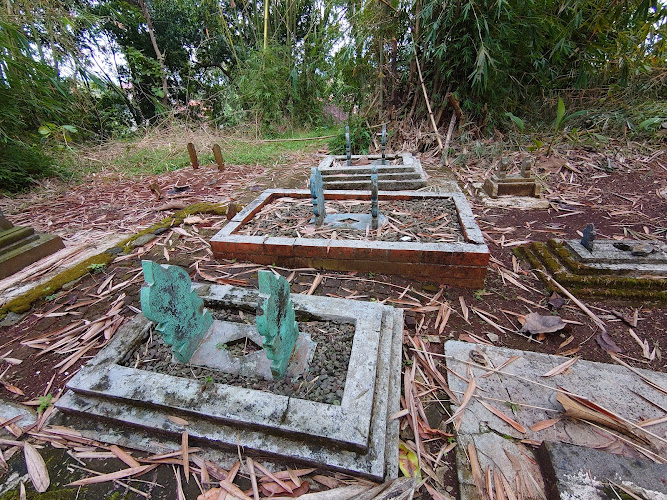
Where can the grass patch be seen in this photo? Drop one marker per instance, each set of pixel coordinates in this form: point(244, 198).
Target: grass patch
point(164, 150)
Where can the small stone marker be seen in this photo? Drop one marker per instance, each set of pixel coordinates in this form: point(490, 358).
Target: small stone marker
point(504, 167)
point(526, 167)
point(588, 238)
point(276, 321)
point(317, 193)
point(4, 223)
point(375, 209)
point(217, 154)
point(348, 146)
point(193, 155)
point(179, 313)
point(502, 184)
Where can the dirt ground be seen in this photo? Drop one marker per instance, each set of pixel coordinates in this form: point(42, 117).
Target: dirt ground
point(623, 191)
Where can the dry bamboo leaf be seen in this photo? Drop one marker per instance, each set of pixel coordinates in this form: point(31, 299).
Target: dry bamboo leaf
point(22, 493)
point(12, 388)
point(253, 478)
point(544, 424)
point(233, 489)
point(282, 484)
point(177, 420)
point(39, 475)
point(566, 341)
point(476, 470)
point(464, 307)
point(560, 368)
point(472, 385)
point(186, 455)
point(124, 456)
point(578, 407)
point(327, 481)
point(498, 485)
point(102, 478)
point(316, 283)
point(504, 417)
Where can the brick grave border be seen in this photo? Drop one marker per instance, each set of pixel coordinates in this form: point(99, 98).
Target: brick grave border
point(460, 264)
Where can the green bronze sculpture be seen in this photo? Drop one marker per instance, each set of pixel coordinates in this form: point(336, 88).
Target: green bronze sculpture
point(276, 321)
point(179, 313)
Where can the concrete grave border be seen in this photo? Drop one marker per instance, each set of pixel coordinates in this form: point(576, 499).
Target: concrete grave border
point(461, 264)
point(407, 175)
point(355, 437)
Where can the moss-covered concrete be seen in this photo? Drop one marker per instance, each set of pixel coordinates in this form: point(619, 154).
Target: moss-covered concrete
point(24, 302)
point(555, 259)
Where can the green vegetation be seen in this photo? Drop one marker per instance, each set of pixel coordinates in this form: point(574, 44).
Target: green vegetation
point(76, 73)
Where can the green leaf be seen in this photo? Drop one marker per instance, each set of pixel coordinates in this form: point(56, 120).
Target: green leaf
point(560, 113)
point(70, 128)
point(44, 130)
point(649, 123)
point(516, 120)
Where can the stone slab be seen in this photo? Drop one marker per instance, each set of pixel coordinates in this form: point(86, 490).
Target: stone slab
point(514, 393)
point(574, 472)
point(22, 255)
point(459, 264)
point(606, 256)
point(10, 410)
point(351, 437)
point(79, 247)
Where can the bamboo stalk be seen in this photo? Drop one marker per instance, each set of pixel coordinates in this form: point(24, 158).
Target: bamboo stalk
point(428, 104)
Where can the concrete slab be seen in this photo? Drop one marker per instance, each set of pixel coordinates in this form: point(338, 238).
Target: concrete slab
point(605, 256)
point(77, 249)
point(578, 473)
point(350, 437)
point(523, 394)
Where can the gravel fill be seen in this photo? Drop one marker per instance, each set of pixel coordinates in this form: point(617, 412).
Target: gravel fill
point(417, 220)
point(323, 383)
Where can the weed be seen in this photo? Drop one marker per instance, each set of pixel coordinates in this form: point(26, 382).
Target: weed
point(220, 346)
point(44, 403)
point(96, 268)
point(479, 294)
point(513, 406)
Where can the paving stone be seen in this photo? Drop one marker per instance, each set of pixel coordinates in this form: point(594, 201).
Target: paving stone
point(577, 473)
point(611, 386)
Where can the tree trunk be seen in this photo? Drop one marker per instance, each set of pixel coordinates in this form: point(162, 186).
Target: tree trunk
point(160, 55)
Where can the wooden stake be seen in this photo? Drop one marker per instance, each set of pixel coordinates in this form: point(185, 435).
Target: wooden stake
point(193, 155)
point(217, 154)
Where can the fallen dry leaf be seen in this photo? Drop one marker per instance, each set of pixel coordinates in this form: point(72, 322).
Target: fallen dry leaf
point(504, 417)
point(560, 368)
point(606, 342)
point(535, 323)
point(102, 478)
point(544, 424)
point(37, 471)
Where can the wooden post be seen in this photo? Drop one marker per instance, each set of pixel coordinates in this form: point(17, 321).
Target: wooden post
point(217, 154)
point(193, 155)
